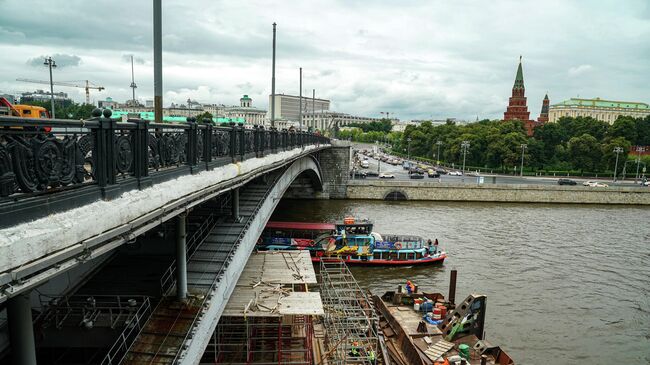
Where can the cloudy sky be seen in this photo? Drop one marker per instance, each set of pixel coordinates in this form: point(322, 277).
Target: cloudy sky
point(415, 59)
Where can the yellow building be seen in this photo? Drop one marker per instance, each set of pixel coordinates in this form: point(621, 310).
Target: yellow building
point(604, 110)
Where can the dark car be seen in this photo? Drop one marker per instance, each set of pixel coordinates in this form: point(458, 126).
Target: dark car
point(566, 182)
point(358, 174)
point(416, 175)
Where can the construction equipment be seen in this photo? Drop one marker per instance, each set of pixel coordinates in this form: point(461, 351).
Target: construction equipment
point(75, 83)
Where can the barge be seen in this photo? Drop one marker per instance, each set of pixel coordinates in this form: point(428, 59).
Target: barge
point(425, 329)
point(354, 243)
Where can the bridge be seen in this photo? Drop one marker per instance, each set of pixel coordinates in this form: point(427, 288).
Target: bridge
point(139, 231)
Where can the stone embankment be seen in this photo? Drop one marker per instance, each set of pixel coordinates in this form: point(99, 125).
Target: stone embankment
point(519, 193)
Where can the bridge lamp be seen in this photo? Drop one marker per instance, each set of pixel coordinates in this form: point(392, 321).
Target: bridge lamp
point(51, 64)
point(464, 145)
point(408, 148)
point(439, 143)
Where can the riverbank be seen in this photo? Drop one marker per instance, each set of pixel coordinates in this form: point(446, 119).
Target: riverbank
point(510, 193)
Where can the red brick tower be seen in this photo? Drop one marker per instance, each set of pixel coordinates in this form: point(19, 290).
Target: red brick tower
point(543, 116)
point(517, 108)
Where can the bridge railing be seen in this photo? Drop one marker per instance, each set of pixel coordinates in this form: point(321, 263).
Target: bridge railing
point(105, 157)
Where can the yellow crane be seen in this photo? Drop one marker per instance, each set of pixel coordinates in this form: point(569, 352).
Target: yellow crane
point(77, 83)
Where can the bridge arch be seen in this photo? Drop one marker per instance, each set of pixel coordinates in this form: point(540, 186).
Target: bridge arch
point(396, 195)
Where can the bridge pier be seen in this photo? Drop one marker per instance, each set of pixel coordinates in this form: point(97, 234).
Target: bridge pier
point(234, 198)
point(21, 330)
point(181, 257)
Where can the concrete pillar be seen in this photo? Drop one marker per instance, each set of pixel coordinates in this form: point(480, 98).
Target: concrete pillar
point(181, 258)
point(21, 330)
point(234, 195)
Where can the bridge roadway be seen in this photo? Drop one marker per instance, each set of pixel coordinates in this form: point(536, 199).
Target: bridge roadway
point(217, 162)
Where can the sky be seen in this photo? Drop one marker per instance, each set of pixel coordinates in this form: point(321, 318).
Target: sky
point(433, 59)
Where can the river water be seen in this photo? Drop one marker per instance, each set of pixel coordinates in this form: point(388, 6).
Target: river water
point(566, 284)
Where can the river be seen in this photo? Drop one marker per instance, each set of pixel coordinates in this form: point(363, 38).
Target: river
point(567, 284)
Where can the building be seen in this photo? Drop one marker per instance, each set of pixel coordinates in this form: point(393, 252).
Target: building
point(109, 103)
point(597, 108)
point(45, 96)
point(288, 106)
point(517, 108)
point(246, 110)
point(327, 120)
point(543, 115)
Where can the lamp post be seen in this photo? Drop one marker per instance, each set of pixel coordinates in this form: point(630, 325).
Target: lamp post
point(523, 148)
point(51, 64)
point(639, 149)
point(617, 150)
point(439, 143)
point(464, 145)
point(408, 147)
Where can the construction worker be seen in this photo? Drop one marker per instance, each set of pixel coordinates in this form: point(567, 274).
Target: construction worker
point(354, 351)
point(371, 357)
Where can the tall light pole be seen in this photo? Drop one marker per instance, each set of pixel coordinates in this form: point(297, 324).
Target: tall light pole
point(300, 115)
point(523, 149)
point(639, 149)
point(617, 150)
point(408, 147)
point(157, 61)
point(273, 82)
point(50, 62)
point(464, 145)
point(439, 143)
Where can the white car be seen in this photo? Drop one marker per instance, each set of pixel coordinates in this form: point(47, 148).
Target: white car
point(385, 175)
point(599, 185)
point(588, 183)
point(456, 173)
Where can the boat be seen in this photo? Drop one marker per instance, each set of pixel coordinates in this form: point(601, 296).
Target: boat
point(424, 328)
point(353, 242)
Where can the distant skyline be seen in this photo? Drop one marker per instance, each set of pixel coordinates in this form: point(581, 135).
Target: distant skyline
point(417, 60)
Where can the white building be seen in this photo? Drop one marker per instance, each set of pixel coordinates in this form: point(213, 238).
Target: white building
point(288, 106)
point(327, 120)
point(603, 110)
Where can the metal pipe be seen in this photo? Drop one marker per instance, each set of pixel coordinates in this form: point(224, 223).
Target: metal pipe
point(300, 97)
point(157, 61)
point(452, 287)
point(181, 257)
point(273, 82)
point(21, 330)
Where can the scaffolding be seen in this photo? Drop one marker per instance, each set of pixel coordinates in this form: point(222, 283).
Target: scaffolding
point(269, 317)
point(350, 320)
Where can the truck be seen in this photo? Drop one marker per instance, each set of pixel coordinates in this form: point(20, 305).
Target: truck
point(24, 111)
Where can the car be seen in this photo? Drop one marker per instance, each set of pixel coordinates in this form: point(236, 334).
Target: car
point(365, 164)
point(598, 185)
point(441, 171)
point(456, 173)
point(416, 175)
point(386, 175)
point(589, 183)
point(358, 174)
point(566, 182)
point(433, 173)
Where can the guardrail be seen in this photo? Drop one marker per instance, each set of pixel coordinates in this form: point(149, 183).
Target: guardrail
point(103, 157)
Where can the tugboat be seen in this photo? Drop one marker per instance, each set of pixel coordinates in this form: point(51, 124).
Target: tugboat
point(352, 242)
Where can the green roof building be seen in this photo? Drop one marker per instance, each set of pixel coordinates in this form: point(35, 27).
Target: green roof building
point(597, 108)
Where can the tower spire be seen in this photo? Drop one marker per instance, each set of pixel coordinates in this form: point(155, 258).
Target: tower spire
point(519, 79)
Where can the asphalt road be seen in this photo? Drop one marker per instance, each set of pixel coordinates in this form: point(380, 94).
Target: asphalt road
point(402, 175)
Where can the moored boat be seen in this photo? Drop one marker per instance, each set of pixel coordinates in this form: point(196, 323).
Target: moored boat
point(353, 242)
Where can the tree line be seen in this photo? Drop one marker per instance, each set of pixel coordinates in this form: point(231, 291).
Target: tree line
point(573, 143)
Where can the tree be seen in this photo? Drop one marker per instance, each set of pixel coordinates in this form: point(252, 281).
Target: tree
point(585, 152)
point(204, 115)
point(624, 127)
point(609, 157)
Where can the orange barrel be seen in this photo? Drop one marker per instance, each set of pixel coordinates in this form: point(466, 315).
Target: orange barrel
point(348, 220)
point(443, 312)
point(437, 312)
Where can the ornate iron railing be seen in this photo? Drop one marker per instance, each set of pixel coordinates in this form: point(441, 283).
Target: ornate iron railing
point(106, 157)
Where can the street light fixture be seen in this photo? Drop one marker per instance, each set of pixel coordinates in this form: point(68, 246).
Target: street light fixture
point(51, 64)
point(617, 150)
point(408, 148)
point(523, 148)
point(439, 143)
point(464, 145)
point(639, 149)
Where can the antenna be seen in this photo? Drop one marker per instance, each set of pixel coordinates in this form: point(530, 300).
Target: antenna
point(133, 85)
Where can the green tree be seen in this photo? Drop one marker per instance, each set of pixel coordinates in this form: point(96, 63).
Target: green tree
point(624, 127)
point(585, 152)
point(609, 156)
point(204, 115)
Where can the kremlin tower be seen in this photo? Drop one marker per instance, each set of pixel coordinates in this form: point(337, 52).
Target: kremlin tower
point(517, 108)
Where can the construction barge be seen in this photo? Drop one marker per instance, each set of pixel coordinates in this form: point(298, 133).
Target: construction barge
point(424, 328)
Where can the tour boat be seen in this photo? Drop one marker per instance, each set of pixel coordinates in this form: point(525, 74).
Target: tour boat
point(353, 242)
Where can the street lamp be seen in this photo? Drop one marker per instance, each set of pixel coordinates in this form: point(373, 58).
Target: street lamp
point(408, 147)
point(523, 148)
point(617, 150)
point(639, 149)
point(464, 145)
point(52, 64)
point(439, 143)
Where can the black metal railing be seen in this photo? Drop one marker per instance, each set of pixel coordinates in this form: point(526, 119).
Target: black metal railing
point(43, 156)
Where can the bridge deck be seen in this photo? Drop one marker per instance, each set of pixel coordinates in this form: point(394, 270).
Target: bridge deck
point(164, 334)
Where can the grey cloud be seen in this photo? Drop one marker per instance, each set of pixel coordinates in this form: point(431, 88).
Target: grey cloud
point(62, 60)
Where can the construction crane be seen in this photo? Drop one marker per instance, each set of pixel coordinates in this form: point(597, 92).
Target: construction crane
point(88, 85)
